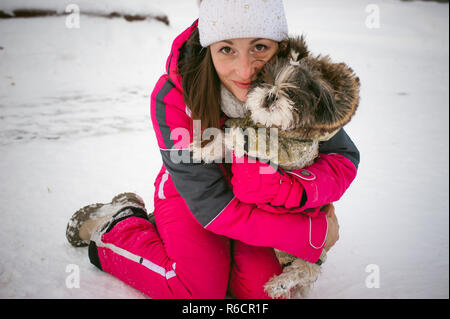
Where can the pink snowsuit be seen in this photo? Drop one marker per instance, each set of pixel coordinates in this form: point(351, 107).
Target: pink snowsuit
point(207, 241)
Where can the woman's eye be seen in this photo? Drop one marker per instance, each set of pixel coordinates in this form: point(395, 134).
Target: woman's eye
point(226, 50)
point(260, 47)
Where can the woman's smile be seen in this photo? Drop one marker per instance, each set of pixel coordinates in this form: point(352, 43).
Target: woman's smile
point(243, 85)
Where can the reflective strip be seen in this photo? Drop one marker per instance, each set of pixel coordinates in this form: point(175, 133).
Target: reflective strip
point(144, 262)
point(309, 176)
point(326, 233)
point(164, 179)
point(220, 212)
point(158, 269)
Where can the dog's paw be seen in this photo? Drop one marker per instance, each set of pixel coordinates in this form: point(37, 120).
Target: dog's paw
point(301, 292)
point(277, 292)
point(213, 152)
point(296, 280)
point(279, 286)
point(235, 141)
point(306, 275)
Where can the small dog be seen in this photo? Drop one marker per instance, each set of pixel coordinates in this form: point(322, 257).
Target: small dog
point(307, 99)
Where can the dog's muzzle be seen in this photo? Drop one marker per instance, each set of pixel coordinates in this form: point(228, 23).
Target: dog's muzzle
point(269, 101)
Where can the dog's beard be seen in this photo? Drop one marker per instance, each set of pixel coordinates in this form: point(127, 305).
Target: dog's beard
point(279, 114)
point(269, 103)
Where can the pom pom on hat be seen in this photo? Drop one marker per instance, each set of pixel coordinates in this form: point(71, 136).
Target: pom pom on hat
point(230, 19)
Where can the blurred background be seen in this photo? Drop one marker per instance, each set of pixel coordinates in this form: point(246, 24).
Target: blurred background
point(75, 129)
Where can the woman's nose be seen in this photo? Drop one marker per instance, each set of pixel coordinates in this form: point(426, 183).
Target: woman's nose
point(246, 68)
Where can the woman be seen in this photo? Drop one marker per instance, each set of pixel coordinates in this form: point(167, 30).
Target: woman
point(208, 238)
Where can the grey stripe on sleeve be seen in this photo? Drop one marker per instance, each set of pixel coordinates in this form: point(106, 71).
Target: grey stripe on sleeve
point(161, 113)
point(202, 186)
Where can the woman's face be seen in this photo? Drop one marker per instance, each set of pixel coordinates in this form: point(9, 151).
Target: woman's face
point(238, 62)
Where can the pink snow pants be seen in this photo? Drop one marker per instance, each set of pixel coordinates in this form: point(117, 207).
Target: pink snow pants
point(180, 259)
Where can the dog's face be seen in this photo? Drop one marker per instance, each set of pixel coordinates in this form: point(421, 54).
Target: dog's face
point(290, 96)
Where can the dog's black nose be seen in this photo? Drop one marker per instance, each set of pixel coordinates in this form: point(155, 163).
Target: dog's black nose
point(270, 99)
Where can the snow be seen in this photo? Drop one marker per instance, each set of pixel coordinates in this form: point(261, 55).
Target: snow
point(75, 129)
point(132, 7)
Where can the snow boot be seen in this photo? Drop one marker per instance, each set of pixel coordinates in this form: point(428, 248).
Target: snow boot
point(87, 219)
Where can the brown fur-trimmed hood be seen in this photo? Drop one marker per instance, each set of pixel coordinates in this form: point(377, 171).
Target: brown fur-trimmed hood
point(339, 80)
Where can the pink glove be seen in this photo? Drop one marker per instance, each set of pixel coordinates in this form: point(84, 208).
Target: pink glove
point(304, 190)
point(256, 182)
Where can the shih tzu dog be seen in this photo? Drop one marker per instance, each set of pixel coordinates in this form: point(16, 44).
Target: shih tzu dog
point(302, 99)
point(307, 98)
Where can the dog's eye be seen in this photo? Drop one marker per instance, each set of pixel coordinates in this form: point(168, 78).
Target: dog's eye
point(291, 94)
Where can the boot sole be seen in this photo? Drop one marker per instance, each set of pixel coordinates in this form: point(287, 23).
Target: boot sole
point(96, 211)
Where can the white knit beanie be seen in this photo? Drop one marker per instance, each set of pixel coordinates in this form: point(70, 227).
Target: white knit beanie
point(230, 19)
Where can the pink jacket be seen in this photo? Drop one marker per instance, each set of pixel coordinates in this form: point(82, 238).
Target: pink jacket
point(211, 201)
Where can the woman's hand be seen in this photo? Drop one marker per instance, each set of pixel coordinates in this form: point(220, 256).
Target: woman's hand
point(333, 227)
point(255, 182)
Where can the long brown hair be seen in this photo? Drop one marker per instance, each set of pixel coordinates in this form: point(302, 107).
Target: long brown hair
point(200, 82)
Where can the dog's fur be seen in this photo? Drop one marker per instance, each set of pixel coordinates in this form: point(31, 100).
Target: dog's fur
point(309, 99)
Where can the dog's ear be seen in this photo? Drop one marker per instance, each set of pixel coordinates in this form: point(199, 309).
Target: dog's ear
point(298, 49)
point(344, 86)
point(283, 48)
point(293, 47)
point(325, 111)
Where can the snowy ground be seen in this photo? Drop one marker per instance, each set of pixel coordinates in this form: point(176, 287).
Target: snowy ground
point(75, 129)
